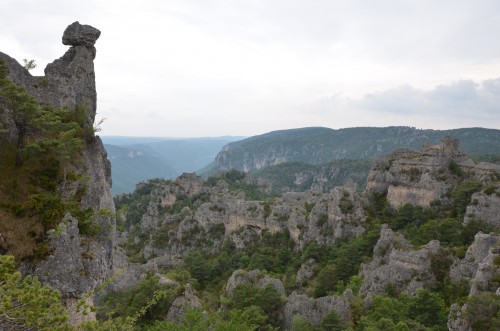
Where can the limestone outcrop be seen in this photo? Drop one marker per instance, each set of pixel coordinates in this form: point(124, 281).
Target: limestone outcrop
point(421, 177)
point(306, 272)
point(480, 271)
point(315, 310)
point(397, 265)
point(218, 215)
point(485, 206)
point(188, 300)
point(478, 267)
point(77, 34)
point(255, 278)
point(77, 264)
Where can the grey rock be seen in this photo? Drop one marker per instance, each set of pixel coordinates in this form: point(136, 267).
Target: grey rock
point(255, 277)
point(187, 300)
point(478, 266)
point(77, 34)
point(305, 272)
point(458, 319)
point(420, 177)
point(228, 216)
point(314, 310)
point(484, 207)
point(398, 264)
point(77, 264)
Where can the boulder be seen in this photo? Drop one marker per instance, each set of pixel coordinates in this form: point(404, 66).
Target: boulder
point(187, 300)
point(77, 34)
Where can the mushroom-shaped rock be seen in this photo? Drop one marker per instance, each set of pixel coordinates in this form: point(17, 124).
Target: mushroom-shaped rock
point(77, 34)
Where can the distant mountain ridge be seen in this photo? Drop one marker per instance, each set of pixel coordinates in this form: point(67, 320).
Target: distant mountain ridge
point(134, 159)
point(319, 145)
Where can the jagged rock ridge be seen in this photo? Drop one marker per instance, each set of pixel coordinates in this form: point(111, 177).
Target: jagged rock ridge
point(77, 265)
point(219, 215)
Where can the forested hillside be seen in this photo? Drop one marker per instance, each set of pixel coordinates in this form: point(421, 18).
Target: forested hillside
point(417, 250)
point(322, 145)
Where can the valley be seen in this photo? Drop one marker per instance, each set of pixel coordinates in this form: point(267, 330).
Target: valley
point(315, 229)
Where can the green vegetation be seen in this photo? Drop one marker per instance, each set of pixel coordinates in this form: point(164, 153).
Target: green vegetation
point(484, 311)
point(128, 302)
point(268, 301)
point(425, 311)
point(195, 320)
point(29, 64)
point(335, 268)
point(43, 162)
point(238, 180)
point(37, 167)
point(461, 196)
point(316, 145)
point(490, 158)
point(283, 176)
point(25, 303)
point(345, 204)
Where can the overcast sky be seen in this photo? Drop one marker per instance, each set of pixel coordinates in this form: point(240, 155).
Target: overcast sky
point(242, 67)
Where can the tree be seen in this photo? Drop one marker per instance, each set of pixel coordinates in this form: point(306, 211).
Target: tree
point(197, 320)
point(326, 280)
point(299, 323)
point(332, 322)
point(22, 106)
point(26, 304)
point(29, 64)
point(483, 311)
point(268, 299)
point(198, 266)
point(462, 194)
point(429, 309)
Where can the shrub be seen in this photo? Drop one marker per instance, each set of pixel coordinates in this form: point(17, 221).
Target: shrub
point(268, 299)
point(462, 194)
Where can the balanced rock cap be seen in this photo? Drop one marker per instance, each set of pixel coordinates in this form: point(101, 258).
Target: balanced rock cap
point(77, 34)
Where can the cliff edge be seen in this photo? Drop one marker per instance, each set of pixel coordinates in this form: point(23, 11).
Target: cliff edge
point(76, 263)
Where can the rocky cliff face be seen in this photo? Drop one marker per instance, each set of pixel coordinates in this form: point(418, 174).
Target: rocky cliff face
point(485, 206)
point(218, 215)
point(480, 271)
point(188, 214)
point(421, 177)
point(314, 310)
point(77, 264)
point(398, 265)
point(322, 145)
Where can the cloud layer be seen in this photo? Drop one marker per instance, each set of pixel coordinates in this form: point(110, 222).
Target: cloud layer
point(218, 67)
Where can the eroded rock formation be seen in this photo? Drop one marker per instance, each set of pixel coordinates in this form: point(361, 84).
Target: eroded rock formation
point(421, 177)
point(397, 265)
point(77, 264)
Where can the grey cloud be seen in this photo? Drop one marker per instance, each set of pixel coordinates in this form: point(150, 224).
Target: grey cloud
point(464, 98)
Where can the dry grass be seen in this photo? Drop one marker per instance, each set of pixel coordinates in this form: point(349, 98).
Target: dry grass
point(20, 234)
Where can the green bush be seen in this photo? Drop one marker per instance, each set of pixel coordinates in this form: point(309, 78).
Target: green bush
point(196, 320)
point(129, 302)
point(326, 281)
point(332, 322)
point(26, 304)
point(462, 194)
point(483, 311)
point(268, 299)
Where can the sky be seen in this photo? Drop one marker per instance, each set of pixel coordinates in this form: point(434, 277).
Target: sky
point(195, 68)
